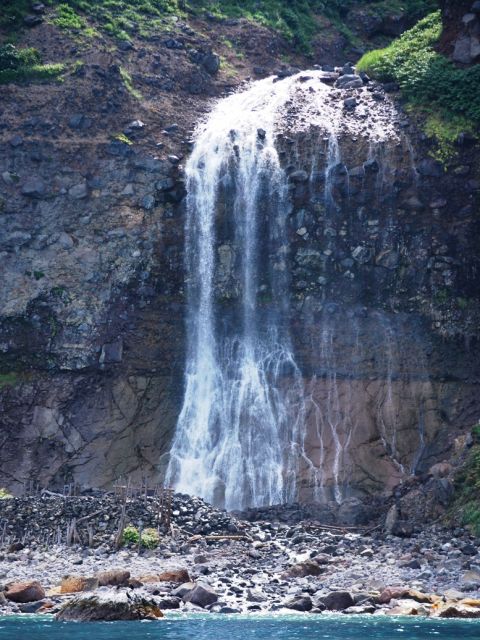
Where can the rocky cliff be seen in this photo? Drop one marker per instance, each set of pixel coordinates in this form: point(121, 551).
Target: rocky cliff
point(383, 294)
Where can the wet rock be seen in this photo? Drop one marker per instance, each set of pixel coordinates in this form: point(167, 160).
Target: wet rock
point(183, 589)
point(350, 104)
point(24, 591)
point(78, 191)
point(110, 606)
point(398, 593)
point(298, 176)
point(349, 81)
point(430, 168)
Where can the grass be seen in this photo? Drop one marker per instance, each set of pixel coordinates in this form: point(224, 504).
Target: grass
point(127, 81)
point(467, 486)
point(8, 379)
point(19, 65)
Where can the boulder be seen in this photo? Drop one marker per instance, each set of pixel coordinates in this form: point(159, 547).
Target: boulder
point(300, 604)
point(118, 605)
point(76, 584)
point(114, 577)
point(33, 187)
point(201, 596)
point(302, 569)
point(399, 593)
point(174, 575)
point(211, 63)
point(338, 601)
point(464, 609)
point(183, 589)
point(30, 591)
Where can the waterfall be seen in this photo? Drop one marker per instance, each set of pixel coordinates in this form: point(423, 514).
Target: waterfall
point(240, 427)
point(253, 430)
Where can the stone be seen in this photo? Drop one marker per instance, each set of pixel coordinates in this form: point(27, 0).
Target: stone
point(302, 569)
point(148, 202)
point(174, 575)
point(399, 593)
point(440, 470)
point(201, 596)
point(460, 609)
point(65, 241)
point(211, 63)
point(79, 191)
point(352, 512)
point(30, 591)
point(360, 609)
point(300, 604)
point(165, 184)
point(348, 81)
point(350, 104)
point(79, 121)
point(76, 584)
point(183, 589)
point(298, 176)
point(33, 187)
point(110, 606)
point(112, 352)
point(32, 20)
point(114, 577)
point(338, 601)
point(16, 141)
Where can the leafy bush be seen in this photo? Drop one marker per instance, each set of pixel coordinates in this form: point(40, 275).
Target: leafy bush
point(130, 535)
point(12, 58)
point(427, 78)
point(4, 494)
point(467, 486)
point(150, 537)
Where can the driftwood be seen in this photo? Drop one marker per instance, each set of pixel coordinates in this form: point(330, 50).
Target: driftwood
point(212, 537)
point(341, 528)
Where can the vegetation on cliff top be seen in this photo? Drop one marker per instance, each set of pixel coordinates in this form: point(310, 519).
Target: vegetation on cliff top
point(297, 21)
point(24, 64)
point(449, 95)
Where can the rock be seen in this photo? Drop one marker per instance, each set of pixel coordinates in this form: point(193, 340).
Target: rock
point(16, 141)
point(65, 241)
point(349, 81)
point(33, 607)
point(302, 569)
point(430, 168)
point(170, 602)
point(33, 187)
point(183, 589)
point(338, 601)
point(211, 63)
point(399, 593)
point(24, 591)
point(79, 191)
point(201, 596)
point(352, 511)
point(76, 584)
point(300, 604)
point(112, 352)
point(119, 605)
point(148, 202)
point(32, 20)
point(360, 609)
point(462, 609)
point(350, 104)
point(175, 575)
point(298, 176)
point(79, 121)
point(408, 608)
point(114, 577)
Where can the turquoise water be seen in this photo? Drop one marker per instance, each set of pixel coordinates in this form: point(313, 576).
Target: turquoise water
point(242, 628)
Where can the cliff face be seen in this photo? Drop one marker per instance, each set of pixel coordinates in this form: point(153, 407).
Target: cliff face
point(383, 296)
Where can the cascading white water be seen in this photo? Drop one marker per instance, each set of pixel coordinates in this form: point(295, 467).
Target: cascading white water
point(240, 435)
point(237, 437)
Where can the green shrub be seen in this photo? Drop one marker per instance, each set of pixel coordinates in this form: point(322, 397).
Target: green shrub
point(4, 494)
point(130, 535)
point(150, 538)
point(17, 65)
point(12, 58)
point(427, 78)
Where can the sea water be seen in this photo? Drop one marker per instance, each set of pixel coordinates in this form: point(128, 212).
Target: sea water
point(216, 627)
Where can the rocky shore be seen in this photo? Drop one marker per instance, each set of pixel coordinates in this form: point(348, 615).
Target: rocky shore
point(207, 559)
